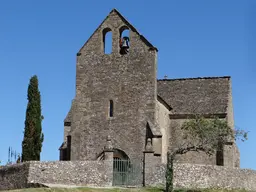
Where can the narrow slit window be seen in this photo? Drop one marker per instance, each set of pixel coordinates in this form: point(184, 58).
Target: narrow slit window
point(220, 155)
point(107, 41)
point(68, 148)
point(111, 108)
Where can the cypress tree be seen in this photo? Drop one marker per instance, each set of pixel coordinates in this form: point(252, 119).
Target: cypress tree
point(33, 136)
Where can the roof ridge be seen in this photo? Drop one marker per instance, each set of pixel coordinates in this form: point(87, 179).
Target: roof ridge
point(194, 78)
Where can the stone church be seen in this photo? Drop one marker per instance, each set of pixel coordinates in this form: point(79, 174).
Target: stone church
point(119, 97)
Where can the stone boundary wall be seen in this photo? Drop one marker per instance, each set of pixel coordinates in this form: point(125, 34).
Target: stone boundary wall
point(100, 173)
point(204, 176)
point(80, 173)
point(14, 176)
point(201, 176)
point(35, 174)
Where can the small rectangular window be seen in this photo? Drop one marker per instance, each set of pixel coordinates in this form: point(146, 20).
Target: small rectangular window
point(68, 147)
point(220, 155)
point(111, 108)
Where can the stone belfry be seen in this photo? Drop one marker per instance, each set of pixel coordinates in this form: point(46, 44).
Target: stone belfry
point(116, 94)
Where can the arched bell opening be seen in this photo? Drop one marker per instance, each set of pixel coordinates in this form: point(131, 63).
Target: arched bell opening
point(107, 40)
point(124, 43)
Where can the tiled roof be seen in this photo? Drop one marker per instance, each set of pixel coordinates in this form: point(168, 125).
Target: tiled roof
point(206, 95)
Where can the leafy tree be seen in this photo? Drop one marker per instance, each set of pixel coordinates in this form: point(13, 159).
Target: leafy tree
point(200, 134)
point(33, 136)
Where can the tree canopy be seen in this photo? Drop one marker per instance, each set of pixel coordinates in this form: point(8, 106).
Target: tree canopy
point(201, 134)
point(33, 136)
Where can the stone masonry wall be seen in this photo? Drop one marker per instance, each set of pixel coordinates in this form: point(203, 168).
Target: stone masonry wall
point(81, 173)
point(34, 174)
point(162, 118)
point(204, 176)
point(175, 140)
point(154, 172)
point(230, 154)
point(99, 173)
point(128, 80)
point(14, 176)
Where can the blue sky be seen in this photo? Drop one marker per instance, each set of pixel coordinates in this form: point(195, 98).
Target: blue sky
point(195, 38)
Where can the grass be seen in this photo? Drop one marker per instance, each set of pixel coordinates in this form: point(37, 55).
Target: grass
point(113, 190)
point(210, 190)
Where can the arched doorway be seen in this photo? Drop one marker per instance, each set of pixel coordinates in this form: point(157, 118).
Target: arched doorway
point(121, 166)
point(119, 154)
point(125, 172)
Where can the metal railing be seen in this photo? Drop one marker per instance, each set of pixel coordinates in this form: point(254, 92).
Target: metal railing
point(127, 173)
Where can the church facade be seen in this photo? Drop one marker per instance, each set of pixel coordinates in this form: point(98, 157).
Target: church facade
point(118, 96)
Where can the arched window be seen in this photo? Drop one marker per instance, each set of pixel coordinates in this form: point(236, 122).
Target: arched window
point(124, 40)
point(111, 108)
point(107, 40)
